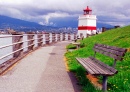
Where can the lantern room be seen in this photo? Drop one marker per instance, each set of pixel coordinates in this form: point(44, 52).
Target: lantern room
point(87, 11)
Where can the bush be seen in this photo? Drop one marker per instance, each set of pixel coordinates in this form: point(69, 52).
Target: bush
point(82, 45)
point(71, 46)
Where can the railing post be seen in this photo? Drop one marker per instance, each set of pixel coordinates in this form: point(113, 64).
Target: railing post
point(63, 36)
point(40, 39)
point(44, 40)
point(58, 37)
point(50, 37)
point(31, 41)
point(15, 39)
point(47, 38)
point(53, 37)
point(68, 36)
point(75, 36)
point(72, 36)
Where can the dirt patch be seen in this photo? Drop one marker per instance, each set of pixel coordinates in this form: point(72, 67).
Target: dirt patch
point(128, 49)
point(94, 81)
point(66, 65)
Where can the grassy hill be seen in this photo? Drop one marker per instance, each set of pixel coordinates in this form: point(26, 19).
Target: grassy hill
point(119, 37)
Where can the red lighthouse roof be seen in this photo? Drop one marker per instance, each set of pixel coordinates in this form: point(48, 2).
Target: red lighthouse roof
point(87, 11)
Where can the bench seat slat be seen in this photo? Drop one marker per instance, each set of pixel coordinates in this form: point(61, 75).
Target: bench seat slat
point(101, 70)
point(106, 66)
point(85, 66)
point(92, 66)
point(96, 67)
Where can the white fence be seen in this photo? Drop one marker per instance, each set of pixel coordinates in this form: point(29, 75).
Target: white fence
point(13, 46)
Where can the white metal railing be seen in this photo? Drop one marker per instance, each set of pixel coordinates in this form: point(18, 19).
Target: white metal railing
point(17, 43)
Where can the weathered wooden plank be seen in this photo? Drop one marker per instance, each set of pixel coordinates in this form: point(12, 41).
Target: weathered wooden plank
point(110, 50)
point(104, 69)
point(100, 68)
point(119, 53)
point(95, 67)
point(89, 63)
point(108, 67)
point(110, 47)
point(117, 57)
point(89, 70)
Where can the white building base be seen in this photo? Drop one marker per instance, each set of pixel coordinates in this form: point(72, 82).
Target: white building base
point(85, 33)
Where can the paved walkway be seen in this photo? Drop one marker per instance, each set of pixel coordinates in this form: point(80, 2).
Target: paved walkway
point(41, 71)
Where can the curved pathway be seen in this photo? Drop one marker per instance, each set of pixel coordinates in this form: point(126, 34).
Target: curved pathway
point(41, 71)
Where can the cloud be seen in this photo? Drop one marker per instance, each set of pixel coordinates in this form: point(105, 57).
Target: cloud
point(112, 12)
point(41, 11)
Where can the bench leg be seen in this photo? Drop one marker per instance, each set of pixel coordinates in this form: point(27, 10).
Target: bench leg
point(77, 46)
point(104, 84)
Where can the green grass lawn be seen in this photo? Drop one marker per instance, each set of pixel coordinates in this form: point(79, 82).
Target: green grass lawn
point(119, 37)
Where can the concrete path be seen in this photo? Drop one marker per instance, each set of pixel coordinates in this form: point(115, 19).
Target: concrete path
point(41, 71)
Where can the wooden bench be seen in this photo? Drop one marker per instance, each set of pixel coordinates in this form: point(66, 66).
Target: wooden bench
point(74, 40)
point(77, 44)
point(96, 67)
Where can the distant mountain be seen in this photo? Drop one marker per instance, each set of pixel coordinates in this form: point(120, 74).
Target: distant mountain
point(20, 25)
point(73, 22)
point(17, 22)
point(65, 22)
point(100, 25)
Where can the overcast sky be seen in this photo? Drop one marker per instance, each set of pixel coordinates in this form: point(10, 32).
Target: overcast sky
point(115, 12)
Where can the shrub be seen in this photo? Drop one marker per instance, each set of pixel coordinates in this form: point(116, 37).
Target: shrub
point(71, 46)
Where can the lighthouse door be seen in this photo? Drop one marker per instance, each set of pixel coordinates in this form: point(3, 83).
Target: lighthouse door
point(86, 35)
point(81, 35)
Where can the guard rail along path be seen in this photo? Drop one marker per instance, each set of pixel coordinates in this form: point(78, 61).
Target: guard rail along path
point(19, 45)
point(96, 67)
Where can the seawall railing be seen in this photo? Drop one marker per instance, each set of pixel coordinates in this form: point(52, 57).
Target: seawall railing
point(14, 47)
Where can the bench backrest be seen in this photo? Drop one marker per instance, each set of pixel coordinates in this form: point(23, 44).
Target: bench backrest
point(111, 51)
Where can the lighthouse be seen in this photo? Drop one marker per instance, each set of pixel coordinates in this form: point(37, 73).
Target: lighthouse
point(86, 23)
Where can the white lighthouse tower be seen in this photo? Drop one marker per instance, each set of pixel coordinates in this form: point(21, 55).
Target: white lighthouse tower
point(87, 23)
